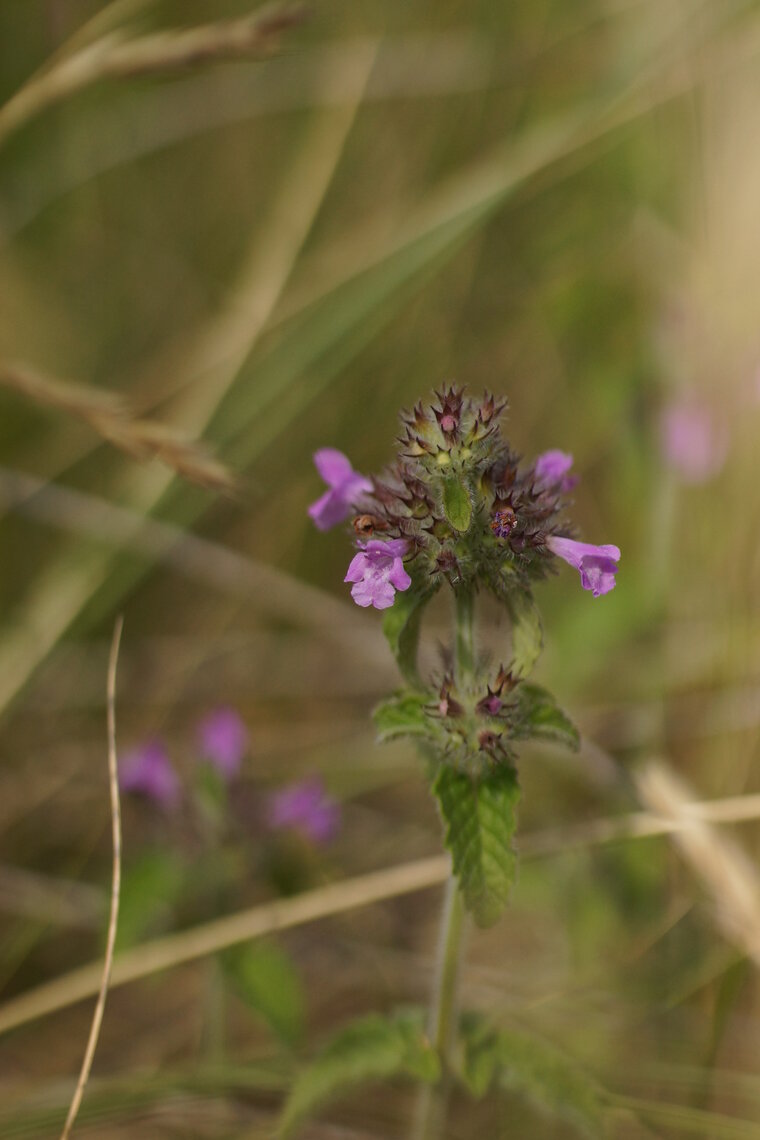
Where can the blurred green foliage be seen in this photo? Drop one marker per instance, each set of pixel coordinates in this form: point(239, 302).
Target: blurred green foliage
point(554, 201)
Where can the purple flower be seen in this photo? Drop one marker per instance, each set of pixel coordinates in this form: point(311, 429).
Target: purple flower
point(552, 467)
point(693, 443)
point(345, 487)
point(378, 571)
point(597, 564)
point(305, 807)
point(223, 741)
point(148, 771)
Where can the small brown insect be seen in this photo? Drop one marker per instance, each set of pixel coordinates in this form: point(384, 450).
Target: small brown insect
point(366, 525)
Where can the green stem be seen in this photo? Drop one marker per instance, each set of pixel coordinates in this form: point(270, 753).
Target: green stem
point(431, 1105)
point(430, 1116)
point(443, 1014)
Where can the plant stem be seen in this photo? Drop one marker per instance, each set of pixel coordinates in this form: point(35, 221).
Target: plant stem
point(430, 1116)
point(431, 1105)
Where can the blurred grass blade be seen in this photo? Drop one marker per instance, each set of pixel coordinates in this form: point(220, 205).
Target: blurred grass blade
point(68, 583)
point(719, 862)
point(112, 56)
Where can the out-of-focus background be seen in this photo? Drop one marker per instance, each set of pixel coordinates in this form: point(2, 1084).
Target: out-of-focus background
point(555, 201)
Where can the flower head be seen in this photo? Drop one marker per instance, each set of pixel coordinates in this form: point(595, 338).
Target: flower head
point(148, 771)
point(223, 741)
point(345, 487)
point(693, 442)
point(552, 468)
point(597, 564)
point(377, 571)
point(307, 808)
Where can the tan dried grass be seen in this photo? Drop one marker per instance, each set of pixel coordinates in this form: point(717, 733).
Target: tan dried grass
point(113, 56)
point(108, 415)
point(715, 858)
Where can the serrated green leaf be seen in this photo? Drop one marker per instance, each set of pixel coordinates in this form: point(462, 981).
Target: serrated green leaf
point(540, 716)
point(480, 819)
point(371, 1049)
point(527, 633)
point(267, 981)
point(457, 504)
point(401, 626)
point(403, 714)
point(520, 1062)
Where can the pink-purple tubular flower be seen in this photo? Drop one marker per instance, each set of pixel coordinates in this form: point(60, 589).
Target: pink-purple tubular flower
point(148, 771)
point(307, 808)
point(552, 468)
point(345, 486)
point(597, 565)
point(377, 571)
point(223, 741)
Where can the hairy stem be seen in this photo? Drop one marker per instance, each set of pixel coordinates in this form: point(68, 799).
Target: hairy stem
point(430, 1114)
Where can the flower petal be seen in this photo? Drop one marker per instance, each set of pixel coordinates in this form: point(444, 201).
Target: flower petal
point(334, 467)
point(598, 574)
point(357, 568)
point(329, 510)
point(552, 465)
point(398, 576)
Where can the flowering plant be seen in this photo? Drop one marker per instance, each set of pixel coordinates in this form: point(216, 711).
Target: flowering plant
point(457, 510)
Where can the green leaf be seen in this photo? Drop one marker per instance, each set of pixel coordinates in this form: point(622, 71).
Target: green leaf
point(520, 1062)
point(267, 981)
point(457, 505)
point(371, 1049)
point(401, 626)
point(149, 889)
point(480, 818)
point(540, 716)
point(527, 633)
point(403, 714)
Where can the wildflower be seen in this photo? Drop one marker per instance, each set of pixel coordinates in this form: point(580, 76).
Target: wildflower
point(223, 741)
point(693, 443)
point(377, 571)
point(307, 808)
point(345, 487)
point(148, 771)
point(597, 564)
point(552, 467)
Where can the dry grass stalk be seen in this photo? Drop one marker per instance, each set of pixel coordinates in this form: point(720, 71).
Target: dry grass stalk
point(113, 784)
point(337, 898)
point(108, 415)
point(717, 859)
point(114, 57)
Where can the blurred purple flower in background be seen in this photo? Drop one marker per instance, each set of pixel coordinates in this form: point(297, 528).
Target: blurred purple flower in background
point(597, 565)
point(148, 771)
point(552, 467)
point(693, 443)
point(307, 808)
point(345, 487)
point(377, 571)
point(223, 741)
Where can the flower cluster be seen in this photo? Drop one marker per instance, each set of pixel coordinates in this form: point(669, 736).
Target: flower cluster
point(458, 506)
point(472, 722)
point(222, 743)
